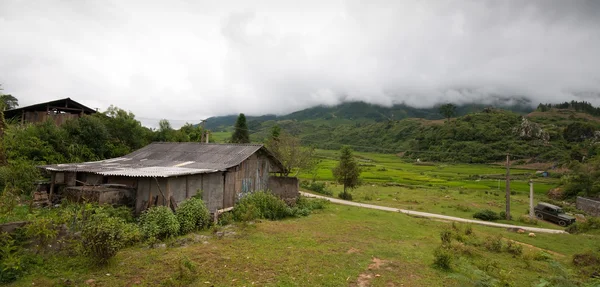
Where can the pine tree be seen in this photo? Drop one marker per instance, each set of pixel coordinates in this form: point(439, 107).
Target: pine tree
point(347, 172)
point(240, 135)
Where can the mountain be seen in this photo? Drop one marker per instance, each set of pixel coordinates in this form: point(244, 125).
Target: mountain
point(478, 134)
point(365, 112)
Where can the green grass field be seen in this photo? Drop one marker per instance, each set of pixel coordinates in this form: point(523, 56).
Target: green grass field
point(220, 137)
point(339, 246)
point(450, 189)
point(350, 246)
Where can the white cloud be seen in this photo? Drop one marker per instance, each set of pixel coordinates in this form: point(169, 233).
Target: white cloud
point(189, 60)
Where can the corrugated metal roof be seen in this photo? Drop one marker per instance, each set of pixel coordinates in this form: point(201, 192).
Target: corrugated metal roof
point(167, 159)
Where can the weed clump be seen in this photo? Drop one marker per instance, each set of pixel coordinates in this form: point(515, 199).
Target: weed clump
point(592, 223)
point(494, 244)
point(192, 214)
point(486, 215)
point(446, 237)
point(442, 258)
point(159, 222)
point(514, 248)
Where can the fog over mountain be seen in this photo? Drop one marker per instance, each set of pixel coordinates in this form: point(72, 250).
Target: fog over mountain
point(187, 60)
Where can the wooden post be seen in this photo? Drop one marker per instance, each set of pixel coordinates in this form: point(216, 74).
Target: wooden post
point(161, 193)
point(531, 213)
point(149, 194)
point(507, 186)
point(187, 186)
point(52, 181)
point(168, 191)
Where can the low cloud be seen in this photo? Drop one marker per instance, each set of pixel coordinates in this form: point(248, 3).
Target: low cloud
point(185, 60)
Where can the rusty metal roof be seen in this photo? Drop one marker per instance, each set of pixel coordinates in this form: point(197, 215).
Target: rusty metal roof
point(168, 159)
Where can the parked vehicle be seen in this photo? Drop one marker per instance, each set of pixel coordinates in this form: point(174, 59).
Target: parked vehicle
point(553, 213)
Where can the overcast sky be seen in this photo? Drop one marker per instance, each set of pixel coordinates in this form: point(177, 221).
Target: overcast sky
point(187, 60)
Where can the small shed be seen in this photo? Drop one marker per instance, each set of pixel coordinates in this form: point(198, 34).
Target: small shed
point(59, 111)
point(168, 173)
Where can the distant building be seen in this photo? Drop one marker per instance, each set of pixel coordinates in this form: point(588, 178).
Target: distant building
point(168, 173)
point(59, 111)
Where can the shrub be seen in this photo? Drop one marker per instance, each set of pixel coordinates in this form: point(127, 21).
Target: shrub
point(11, 263)
point(192, 214)
point(159, 222)
point(345, 196)
point(514, 248)
point(442, 258)
point(261, 204)
point(225, 218)
point(526, 219)
point(592, 223)
point(586, 259)
point(42, 231)
point(486, 215)
point(122, 212)
point(494, 244)
point(103, 237)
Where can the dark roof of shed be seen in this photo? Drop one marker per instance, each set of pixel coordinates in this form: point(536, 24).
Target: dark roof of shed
point(170, 159)
point(61, 104)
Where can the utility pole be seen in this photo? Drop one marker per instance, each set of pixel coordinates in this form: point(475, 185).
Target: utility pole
point(507, 186)
point(531, 213)
point(207, 135)
point(202, 138)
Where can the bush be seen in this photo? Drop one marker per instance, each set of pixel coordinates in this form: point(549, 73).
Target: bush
point(442, 258)
point(261, 204)
point(494, 244)
point(192, 214)
point(486, 215)
point(104, 236)
point(345, 196)
point(592, 223)
point(514, 248)
point(42, 231)
point(11, 262)
point(526, 219)
point(122, 212)
point(159, 222)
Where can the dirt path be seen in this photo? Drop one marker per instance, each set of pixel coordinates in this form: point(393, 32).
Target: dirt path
point(433, 215)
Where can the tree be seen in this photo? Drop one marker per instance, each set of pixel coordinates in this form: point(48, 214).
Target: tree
point(240, 134)
point(347, 172)
point(275, 132)
point(291, 153)
point(7, 102)
point(448, 111)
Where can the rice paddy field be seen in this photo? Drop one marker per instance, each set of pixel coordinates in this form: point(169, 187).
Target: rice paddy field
point(450, 189)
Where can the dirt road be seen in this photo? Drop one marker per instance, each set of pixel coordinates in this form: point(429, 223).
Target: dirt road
point(433, 215)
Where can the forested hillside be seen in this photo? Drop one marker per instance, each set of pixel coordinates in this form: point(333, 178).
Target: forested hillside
point(364, 112)
point(553, 133)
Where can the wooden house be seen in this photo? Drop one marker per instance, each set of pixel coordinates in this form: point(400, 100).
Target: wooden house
point(168, 173)
point(58, 111)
